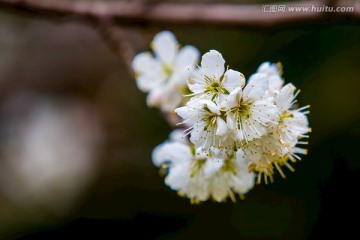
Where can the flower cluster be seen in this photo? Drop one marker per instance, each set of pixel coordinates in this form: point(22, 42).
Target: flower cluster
point(234, 127)
point(226, 114)
point(199, 177)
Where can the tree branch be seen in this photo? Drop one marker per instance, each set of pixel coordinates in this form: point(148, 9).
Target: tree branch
point(115, 37)
point(109, 18)
point(170, 13)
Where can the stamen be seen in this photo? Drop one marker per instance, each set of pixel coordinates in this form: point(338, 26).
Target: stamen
point(232, 196)
point(279, 170)
point(242, 196)
point(289, 167)
point(271, 178)
point(265, 178)
point(302, 108)
point(259, 178)
point(292, 159)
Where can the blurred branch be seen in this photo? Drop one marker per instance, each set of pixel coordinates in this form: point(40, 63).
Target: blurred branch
point(110, 17)
point(170, 13)
point(115, 37)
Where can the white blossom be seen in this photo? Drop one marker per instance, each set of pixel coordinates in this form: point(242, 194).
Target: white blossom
point(273, 71)
point(199, 177)
point(232, 178)
point(264, 154)
point(186, 173)
point(293, 123)
point(250, 110)
point(235, 128)
point(164, 74)
point(275, 149)
point(232, 112)
point(206, 121)
point(212, 81)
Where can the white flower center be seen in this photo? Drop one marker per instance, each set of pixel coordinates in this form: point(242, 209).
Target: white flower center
point(168, 69)
point(214, 86)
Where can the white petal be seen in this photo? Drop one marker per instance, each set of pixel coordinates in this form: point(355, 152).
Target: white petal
point(177, 135)
point(178, 177)
point(196, 82)
point(212, 106)
point(196, 137)
point(171, 101)
point(146, 83)
point(230, 121)
point(155, 97)
point(285, 97)
point(233, 79)
point(212, 165)
point(220, 188)
point(301, 120)
point(196, 87)
point(233, 98)
point(200, 154)
point(183, 112)
point(222, 128)
point(292, 128)
point(149, 72)
point(143, 62)
point(176, 153)
point(212, 65)
point(256, 87)
point(165, 47)
point(276, 82)
point(264, 67)
point(170, 96)
point(187, 57)
point(178, 78)
point(219, 100)
point(243, 183)
point(270, 69)
point(241, 158)
point(273, 72)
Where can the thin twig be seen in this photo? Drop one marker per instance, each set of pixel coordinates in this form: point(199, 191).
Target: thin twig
point(170, 13)
point(115, 37)
point(109, 18)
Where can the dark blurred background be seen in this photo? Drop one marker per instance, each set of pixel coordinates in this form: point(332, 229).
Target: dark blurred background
point(76, 136)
